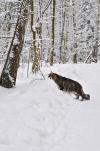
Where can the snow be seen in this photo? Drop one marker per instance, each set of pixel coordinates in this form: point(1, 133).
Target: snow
point(36, 116)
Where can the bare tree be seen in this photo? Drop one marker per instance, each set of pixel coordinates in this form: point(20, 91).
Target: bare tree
point(53, 33)
point(95, 47)
point(74, 34)
point(9, 73)
point(36, 48)
point(62, 51)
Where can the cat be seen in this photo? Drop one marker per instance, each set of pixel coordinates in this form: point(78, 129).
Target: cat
point(69, 85)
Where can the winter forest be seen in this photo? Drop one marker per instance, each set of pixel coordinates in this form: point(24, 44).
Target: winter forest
point(39, 38)
point(53, 31)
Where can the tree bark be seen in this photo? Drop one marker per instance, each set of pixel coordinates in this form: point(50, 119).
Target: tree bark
point(53, 34)
point(36, 46)
point(9, 73)
point(74, 34)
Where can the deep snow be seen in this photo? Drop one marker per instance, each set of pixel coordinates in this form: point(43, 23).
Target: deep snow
point(36, 116)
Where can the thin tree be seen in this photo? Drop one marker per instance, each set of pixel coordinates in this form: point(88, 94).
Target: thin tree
point(36, 49)
point(53, 33)
point(95, 47)
point(62, 51)
point(74, 33)
point(36, 29)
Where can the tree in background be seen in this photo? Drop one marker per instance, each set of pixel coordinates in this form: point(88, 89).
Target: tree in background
point(36, 41)
point(53, 32)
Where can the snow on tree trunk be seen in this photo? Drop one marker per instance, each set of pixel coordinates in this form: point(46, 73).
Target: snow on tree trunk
point(9, 73)
point(36, 41)
point(36, 47)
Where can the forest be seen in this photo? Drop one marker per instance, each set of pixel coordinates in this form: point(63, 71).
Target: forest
point(39, 32)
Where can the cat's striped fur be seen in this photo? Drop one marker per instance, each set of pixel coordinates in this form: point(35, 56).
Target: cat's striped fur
point(69, 85)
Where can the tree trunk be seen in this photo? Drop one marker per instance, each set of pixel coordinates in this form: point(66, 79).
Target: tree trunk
point(74, 34)
point(9, 73)
point(53, 34)
point(95, 47)
point(62, 50)
point(36, 45)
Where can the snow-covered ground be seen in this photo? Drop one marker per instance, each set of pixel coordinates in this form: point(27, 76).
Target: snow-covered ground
point(36, 116)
